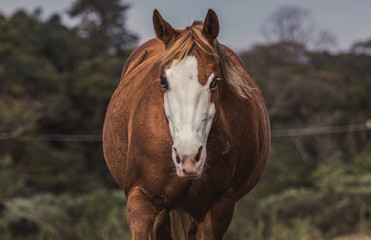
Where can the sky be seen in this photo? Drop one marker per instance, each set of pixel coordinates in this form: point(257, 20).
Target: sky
point(240, 20)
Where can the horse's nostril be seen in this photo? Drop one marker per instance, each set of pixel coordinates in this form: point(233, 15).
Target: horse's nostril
point(198, 156)
point(177, 159)
point(184, 171)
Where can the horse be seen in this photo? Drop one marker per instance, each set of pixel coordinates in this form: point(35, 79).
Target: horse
point(186, 133)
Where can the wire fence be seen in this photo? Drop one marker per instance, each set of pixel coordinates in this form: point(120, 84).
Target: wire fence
point(320, 130)
point(276, 133)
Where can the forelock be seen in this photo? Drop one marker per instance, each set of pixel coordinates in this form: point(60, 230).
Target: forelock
point(189, 38)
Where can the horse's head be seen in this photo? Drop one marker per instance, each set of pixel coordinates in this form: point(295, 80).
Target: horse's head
point(189, 77)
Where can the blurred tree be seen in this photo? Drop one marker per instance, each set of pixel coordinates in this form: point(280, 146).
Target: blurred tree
point(294, 25)
point(325, 41)
point(289, 24)
point(62, 46)
point(54, 81)
point(104, 24)
point(310, 88)
point(50, 84)
point(362, 47)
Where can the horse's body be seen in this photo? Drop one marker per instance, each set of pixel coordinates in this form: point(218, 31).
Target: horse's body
point(183, 204)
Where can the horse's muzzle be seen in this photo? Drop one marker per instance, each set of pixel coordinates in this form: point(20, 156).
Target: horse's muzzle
point(189, 165)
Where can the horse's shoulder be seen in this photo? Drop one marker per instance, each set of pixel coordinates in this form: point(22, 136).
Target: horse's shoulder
point(140, 54)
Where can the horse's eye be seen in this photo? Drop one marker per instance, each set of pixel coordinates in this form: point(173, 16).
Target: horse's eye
point(164, 83)
point(214, 82)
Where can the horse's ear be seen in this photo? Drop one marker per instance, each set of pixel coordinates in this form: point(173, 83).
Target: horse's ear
point(163, 29)
point(211, 26)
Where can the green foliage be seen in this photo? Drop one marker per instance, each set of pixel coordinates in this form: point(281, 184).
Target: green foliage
point(53, 81)
point(98, 215)
point(339, 203)
point(104, 24)
point(104, 212)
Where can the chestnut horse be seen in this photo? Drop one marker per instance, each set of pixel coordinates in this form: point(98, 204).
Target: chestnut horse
point(186, 133)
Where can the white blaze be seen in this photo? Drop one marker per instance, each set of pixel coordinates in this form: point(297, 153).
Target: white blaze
point(188, 107)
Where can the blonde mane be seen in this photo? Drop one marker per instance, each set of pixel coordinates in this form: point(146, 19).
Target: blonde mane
point(229, 69)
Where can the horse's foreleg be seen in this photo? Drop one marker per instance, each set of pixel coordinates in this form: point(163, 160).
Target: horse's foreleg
point(217, 219)
point(143, 214)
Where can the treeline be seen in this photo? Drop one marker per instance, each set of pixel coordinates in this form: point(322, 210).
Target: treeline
point(56, 81)
point(316, 186)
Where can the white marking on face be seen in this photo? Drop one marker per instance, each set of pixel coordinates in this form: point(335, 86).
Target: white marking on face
point(189, 111)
